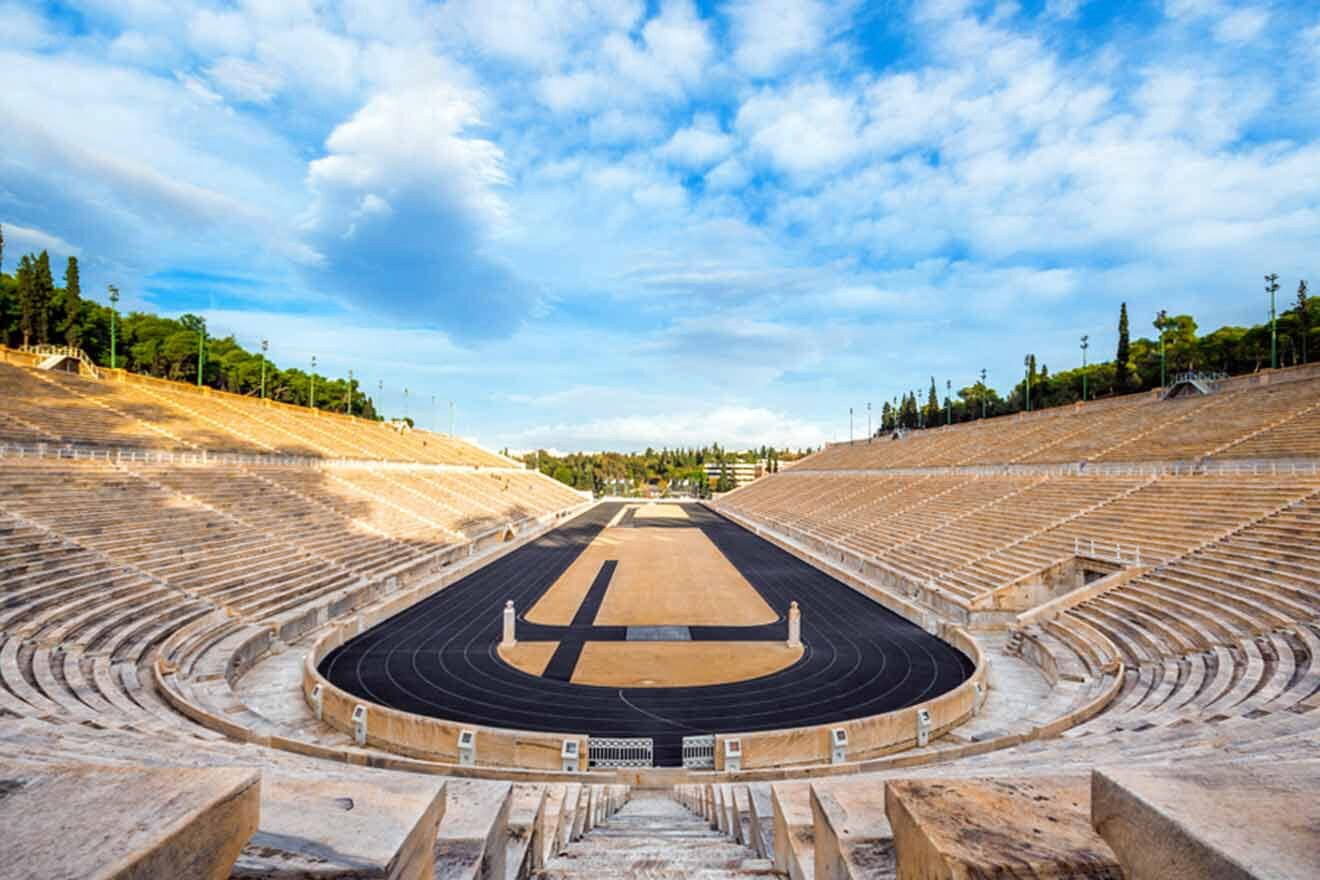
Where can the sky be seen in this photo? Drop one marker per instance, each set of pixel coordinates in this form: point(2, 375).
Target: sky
point(613, 224)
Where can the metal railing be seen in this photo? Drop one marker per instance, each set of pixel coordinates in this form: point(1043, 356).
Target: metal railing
point(699, 752)
point(620, 751)
point(72, 351)
point(1123, 555)
point(1260, 467)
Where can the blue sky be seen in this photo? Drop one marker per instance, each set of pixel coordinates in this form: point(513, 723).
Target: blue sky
point(614, 223)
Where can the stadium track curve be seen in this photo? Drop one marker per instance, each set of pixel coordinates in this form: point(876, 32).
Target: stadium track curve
point(438, 658)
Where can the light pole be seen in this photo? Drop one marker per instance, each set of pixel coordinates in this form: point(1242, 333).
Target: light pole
point(114, 310)
point(265, 347)
point(1085, 345)
point(1160, 320)
point(868, 421)
point(983, 394)
point(850, 430)
point(1272, 287)
point(948, 400)
point(350, 392)
point(405, 401)
point(311, 381)
point(201, 353)
point(1026, 362)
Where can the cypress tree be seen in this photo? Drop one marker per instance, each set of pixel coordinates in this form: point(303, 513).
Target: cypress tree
point(43, 288)
point(932, 405)
point(2, 248)
point(1304, 315)
point(1122, 369)
point(72, 301)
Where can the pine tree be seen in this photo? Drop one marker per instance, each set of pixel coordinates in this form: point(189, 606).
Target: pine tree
point(72, 301)
point(1304, 315)
point(1122, 367)
point(43, 288)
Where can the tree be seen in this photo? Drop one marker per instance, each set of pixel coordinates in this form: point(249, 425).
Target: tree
point(1303, 314)
point(2, 248)
point(1123, 357)
point(43, 289)
point(72, 301)
point(932, 412)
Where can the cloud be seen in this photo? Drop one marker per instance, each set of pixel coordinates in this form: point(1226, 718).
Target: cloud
point(698, 146)
point(736, 426)
point(404, 207)
point(768, 34)
point(1241, 25)
point(805, 129)
point(22, 239)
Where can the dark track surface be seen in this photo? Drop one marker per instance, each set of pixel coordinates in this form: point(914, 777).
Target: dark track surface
point(439, 657)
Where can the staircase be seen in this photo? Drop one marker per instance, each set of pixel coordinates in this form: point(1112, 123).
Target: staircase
point(653, 836)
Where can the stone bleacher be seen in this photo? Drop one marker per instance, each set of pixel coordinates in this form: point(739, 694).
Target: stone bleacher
point(123, 410)
point(155, 614)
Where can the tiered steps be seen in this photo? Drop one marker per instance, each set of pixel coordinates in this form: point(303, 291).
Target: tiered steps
point(654, 836)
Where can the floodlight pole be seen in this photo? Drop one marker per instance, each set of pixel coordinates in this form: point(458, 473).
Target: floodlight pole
point(201, 354)
point(265, 346)
point(1026, 362)
point(1085, 345)
point(850, 426)
point(1272, 287)
point(350, 392)
point(1160, 320)
point(983, 390)
point(868, 421)
point(114, 310)
point(311, 381)
point(948, 401)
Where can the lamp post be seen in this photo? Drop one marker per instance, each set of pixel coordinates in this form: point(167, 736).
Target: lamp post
point(1026, 362)
point(868, 421)
point(311, 381)
point(948, 401)
point(1272, 287)
point(983, 394)
point(114, 310)
point(850, 428)
point(350, 392)
point(201, 353)
point(1085, 345)
point(265, 347)
point(1160, 320)
point(405, 401)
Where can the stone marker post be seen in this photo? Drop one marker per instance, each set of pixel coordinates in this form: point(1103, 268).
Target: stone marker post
point(508, 641)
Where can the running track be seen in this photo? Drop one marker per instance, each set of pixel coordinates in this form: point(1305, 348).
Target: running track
point(439, 657)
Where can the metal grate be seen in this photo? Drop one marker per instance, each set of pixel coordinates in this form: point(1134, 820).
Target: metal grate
point(699, 752)
point(620, 751)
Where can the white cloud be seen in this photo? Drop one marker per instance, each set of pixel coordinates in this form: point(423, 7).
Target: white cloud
point(244, 80)
point(22, 239)
point(805, 129)
point(770, 33)
point(1241, 25)
point(698, 146)
point(21, 28)
point(737, 426)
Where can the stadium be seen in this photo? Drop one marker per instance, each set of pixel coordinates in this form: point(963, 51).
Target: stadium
point(377, 653)
point(637, 439)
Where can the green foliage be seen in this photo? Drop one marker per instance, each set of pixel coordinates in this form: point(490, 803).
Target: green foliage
point(680, 471)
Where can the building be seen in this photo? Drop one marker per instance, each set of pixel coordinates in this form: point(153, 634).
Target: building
point(741, 472)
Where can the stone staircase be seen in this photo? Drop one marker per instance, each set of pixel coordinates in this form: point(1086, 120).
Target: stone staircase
point(654, 836)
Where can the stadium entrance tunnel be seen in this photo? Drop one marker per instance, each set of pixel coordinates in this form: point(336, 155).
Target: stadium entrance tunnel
point(659, 622)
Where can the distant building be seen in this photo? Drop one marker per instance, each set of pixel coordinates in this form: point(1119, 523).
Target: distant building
point(740, 472)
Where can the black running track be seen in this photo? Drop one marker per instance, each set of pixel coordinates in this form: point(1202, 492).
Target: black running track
point(439, 657)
